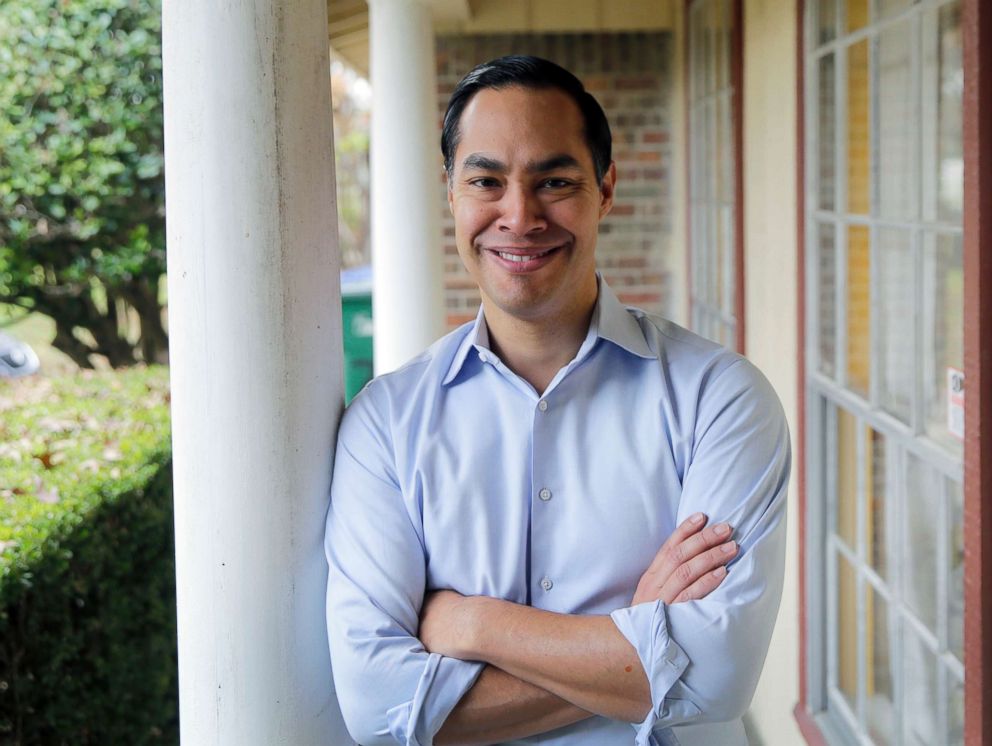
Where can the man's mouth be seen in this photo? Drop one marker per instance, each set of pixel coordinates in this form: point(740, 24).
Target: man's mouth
point(520, 258)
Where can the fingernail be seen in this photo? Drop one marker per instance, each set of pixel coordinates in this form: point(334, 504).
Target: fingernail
point(722, 529)
point(729, 548)
point(697, 518)
point(719, 572)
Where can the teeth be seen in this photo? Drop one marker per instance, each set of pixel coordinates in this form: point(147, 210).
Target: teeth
point(522, 257)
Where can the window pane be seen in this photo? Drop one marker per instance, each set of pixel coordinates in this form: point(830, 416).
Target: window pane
point(857, 14)
point(827, 297)
point(955, 713)
point(713, 43)
point(951, 85)
point(881, 623)
point(697, 240)
point(847, 631)
point(712, 155)
point(696, 139)
point(721, 22)
point(827, 21)
point(858, 130)
point(919, 543)
point(897, 152)
point(877, 491)
point(920, 699)
point(725, 131)
point(887, 7)
point(827, 135)
point(715, 266)
point(942, 309)
point(897, 304)
point(728, 290)
point(858, 309)
point(847, 478)
point(955, 583)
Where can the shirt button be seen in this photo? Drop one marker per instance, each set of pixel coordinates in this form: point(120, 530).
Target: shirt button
point(544, 494)
point(542, 405)
point(546, 584)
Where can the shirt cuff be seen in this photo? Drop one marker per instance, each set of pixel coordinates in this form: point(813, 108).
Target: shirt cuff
point(442, 685)
point(646, 628)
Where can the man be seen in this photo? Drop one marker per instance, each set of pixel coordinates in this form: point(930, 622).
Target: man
point(499, 502)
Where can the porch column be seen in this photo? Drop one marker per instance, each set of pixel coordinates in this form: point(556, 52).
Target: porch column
point(407, 269)
point(255, 329)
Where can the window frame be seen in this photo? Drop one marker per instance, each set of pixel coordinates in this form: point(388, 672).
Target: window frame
point(697, 309)
point(976, 30)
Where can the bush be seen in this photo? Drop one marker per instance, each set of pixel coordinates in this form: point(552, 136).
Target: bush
point(87, 581)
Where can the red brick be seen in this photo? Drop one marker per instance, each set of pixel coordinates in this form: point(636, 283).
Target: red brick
point(457, 319)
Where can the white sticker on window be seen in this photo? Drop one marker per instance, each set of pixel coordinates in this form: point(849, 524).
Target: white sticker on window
point(955, 402)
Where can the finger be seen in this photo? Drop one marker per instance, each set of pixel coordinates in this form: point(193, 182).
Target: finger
point(689, 572)
point(702, 587)
point(693, 546)
point(690, 526)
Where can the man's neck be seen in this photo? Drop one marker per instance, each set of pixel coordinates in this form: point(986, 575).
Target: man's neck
point(536, 349)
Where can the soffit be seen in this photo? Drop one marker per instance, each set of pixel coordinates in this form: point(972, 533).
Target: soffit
point(348, 20)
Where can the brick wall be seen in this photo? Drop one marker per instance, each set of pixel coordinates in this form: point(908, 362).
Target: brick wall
point(630, 75)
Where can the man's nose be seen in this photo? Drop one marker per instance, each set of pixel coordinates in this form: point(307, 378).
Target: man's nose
point(521, 212)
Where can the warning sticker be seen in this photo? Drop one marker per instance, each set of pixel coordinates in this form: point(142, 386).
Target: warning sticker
point(955, 402)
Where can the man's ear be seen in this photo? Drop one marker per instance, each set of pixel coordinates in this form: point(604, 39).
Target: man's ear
point(451, 197)
point(606, 189)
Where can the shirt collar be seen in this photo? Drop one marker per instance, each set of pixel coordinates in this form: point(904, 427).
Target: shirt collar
point(618, 326)
point(610, 321)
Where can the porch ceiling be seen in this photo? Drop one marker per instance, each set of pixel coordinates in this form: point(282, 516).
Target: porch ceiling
point(348, 31)
point(348, 20)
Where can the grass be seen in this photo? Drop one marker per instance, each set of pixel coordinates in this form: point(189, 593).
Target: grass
point(60, 437)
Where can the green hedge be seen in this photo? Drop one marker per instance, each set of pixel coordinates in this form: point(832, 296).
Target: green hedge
point(87, 581)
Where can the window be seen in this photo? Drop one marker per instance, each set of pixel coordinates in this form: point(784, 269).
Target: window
point(885, 539)
point(714, 187)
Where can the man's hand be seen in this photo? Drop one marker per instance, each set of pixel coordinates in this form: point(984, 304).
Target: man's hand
point(689, 565)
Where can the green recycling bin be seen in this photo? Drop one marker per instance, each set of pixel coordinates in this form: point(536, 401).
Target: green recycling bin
point(356, 317)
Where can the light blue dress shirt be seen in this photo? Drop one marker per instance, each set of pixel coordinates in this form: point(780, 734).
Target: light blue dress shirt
point(453, 473)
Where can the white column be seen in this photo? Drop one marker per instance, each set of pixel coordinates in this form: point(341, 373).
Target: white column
point(407, 296)
point(255, 327)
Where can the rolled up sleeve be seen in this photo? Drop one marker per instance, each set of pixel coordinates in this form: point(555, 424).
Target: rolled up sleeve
point(390, 689)
point(663, 660)
point(703, 658)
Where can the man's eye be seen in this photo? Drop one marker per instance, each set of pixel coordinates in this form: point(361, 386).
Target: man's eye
point(555, 183)
point(484, 183)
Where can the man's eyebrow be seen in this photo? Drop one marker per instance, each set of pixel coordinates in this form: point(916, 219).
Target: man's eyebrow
point(483, 163)
point(553, 163)
point(480, 162)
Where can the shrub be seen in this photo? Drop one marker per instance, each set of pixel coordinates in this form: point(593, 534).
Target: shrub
point(87, 588)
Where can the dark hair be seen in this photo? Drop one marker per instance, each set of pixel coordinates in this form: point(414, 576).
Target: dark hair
point(528, 72)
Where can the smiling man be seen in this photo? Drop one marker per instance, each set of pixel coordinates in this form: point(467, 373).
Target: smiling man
point(532, 522)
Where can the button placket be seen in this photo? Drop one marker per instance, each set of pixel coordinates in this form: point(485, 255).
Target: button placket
point(544, 555)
